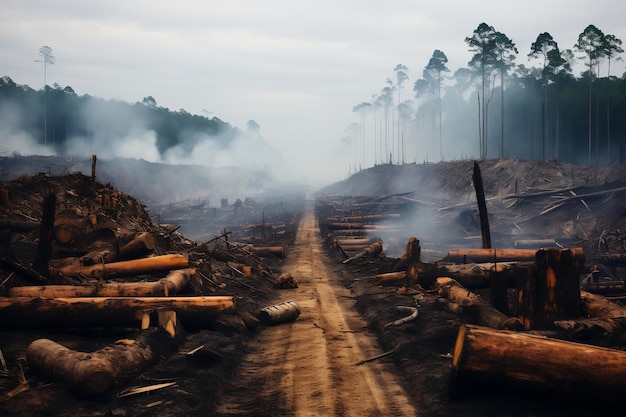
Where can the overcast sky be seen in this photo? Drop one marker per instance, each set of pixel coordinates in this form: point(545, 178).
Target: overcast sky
point(295, 67)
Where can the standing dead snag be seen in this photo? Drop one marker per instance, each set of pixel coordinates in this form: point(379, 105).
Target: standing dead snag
point(482, 206)
point(93, 373)
point(505, 358)
point(44, 248)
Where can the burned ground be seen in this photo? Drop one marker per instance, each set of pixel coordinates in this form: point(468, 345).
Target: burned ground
point(577, 207)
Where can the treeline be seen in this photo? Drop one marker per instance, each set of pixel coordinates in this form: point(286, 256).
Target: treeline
point(56, 115)
point(497, 106)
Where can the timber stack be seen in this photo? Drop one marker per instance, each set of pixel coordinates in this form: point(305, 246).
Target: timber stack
point(77, 254)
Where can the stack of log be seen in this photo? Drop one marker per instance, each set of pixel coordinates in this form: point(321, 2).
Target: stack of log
point(101, 262)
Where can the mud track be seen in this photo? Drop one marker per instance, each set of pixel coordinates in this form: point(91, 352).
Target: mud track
point(312, 366)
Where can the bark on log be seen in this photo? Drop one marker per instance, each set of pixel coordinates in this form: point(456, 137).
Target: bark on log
point(266, 251)
point(22, 312)
point(501, 255)
point(505, 358)
point(487, 314)
point(172, 284)
point(127, 268)
point(140, 245)
point(553, 293)
point(472, 276)
point(614, 326)
point(279, 313)
point(93, 373)
point(595, 305)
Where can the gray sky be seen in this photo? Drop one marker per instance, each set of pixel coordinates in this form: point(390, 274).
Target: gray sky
point(295, 67)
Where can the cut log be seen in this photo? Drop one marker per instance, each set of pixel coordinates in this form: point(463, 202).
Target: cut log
point(487, 315)
point(596, 305)
point(127, 268)
point(141, 245)
point(613, 326)
point(279, 313)
point(472, 276)
point(390, 277)
point(173, 283)
point(484, 356)
point(90, 374)
point(553, 293)
point(267, 251)
point(107, 311)
point(500, 255)
point(535, 244)
point(371, 251)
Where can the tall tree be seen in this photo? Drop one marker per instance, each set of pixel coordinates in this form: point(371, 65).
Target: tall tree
point(483, 44)
point(401, 77)
point(541, 49)
point(505, 52)
point(612, 47)
point(363, 109)
point(591, 43)
point(437, 65)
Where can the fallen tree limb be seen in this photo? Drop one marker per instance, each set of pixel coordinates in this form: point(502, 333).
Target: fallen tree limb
point(414, 313)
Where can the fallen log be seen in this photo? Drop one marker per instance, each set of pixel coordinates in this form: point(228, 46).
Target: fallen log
point(486, 314)
point(609, 325)
point(535, 244)
point(372, 251)
point(501, 358)
point(93, 373)
point(107, 311)
point(472, 276)
point(140, 245)
point(596, 305)
point(266, 251)
point(18, 225)
point(471, 255)
point(127, 268)
point(279, 313)
point(173, 283)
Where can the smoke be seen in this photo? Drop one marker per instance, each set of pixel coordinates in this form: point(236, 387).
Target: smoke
point(16, 140)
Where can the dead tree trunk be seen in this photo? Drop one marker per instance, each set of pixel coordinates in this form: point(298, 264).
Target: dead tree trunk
point(93, 373)
point(482, 206)
point(505, 358)
point(553, 293)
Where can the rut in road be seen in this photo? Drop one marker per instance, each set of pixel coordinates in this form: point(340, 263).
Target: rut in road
point(309, 367)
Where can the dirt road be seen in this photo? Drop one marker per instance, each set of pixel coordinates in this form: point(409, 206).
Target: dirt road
point(310, 367)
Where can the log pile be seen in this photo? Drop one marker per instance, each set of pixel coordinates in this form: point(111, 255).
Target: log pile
point(105, 264)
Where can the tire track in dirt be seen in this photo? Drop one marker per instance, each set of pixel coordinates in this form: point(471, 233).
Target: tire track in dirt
point(309, 367)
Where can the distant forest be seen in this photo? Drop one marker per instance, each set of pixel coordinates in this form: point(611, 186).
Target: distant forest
point(495, 107)
point(54, 115)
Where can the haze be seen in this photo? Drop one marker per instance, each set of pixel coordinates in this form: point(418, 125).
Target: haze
point(296, 68)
